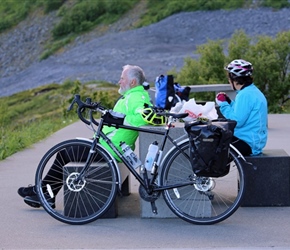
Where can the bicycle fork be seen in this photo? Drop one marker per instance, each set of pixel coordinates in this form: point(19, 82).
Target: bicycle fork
point(92, 152)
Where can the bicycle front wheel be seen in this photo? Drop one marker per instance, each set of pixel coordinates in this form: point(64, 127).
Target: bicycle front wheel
point(208, 200)
point(76, 201)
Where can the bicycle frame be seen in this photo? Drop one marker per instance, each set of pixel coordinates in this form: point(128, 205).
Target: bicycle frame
point(90, 191)
point(145, 182)
point(149, 185)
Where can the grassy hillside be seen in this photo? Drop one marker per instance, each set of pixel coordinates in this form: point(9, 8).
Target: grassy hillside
point(32, 115)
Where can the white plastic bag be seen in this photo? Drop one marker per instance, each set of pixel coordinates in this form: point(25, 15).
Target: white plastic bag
point(197, 110)
point(177, 107)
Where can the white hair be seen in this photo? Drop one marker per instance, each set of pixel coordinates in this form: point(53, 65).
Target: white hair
point(135, 72)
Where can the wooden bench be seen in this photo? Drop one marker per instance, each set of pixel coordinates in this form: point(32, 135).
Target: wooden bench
point(268, 184)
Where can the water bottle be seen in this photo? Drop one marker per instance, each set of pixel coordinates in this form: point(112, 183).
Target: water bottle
point(130, 155)
point(152, 151)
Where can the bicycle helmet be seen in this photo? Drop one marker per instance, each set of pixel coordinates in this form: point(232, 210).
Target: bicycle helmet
point(240, 68)
point(151, 117)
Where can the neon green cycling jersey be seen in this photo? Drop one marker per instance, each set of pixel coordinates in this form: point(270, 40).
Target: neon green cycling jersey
point(131, 104)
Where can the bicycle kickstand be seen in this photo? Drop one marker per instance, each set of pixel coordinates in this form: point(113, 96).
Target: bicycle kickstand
point(153, 207)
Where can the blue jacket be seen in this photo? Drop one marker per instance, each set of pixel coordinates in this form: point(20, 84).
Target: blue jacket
point(250, 111)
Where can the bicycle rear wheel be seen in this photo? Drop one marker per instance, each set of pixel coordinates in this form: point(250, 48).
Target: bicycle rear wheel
point(207, 201)
point(76, 202)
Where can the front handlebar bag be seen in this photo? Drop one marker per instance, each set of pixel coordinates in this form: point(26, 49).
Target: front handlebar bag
point(209, 146)
point(112, 118)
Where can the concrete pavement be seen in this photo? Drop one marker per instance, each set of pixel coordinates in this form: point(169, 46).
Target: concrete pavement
point(22, 227)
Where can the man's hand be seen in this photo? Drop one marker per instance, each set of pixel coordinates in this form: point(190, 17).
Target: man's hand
point(222, 97)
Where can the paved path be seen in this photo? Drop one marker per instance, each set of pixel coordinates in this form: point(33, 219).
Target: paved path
point(22, 227)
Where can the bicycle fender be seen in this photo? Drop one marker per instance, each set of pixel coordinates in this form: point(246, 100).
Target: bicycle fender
point(171, 149)
point(84, 139)
point(241, 156)
point(238, 152)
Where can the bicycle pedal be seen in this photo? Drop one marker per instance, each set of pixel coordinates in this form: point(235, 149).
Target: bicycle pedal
point(153, 207)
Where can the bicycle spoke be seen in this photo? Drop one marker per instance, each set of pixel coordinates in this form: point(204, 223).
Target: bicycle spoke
point(209, 200)
point(76, 201)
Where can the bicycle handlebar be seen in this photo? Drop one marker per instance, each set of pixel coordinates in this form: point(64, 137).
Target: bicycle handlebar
point(174, 115)
point(96, 106)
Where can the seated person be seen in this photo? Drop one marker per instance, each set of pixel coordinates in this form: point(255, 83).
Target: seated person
point(249, 109)
point(134, 96)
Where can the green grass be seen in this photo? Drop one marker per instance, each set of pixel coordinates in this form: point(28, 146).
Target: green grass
point(158, 10)
point(30, 116)
point(14, 11)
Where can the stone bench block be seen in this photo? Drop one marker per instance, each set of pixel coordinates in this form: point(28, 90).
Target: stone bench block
point(145, 139)
point(269, 184)
point(113, 211)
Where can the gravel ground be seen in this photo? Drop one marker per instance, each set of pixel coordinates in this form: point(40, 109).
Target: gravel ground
point(156, 48)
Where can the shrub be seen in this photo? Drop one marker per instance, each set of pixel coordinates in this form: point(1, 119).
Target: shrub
point(271, 61)
point(12, 12)
point(158, 10)
point(52, 5)
point(276, 4)
point(269, 56)
point(86, 13)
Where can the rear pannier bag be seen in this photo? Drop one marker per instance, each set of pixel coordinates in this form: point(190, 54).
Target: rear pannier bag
point(209, 146)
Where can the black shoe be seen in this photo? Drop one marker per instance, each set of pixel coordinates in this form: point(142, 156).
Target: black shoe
point(33, 201)
point(27, 191)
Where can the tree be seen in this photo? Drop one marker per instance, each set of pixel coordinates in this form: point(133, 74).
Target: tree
point(269, 56)
point(271, 61)
point(208, 69)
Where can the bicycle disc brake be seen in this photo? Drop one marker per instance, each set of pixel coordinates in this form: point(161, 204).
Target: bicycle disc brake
point(72, 184)
point(204, 184)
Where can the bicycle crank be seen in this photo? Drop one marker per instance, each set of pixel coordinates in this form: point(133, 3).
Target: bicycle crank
point(148, 197)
